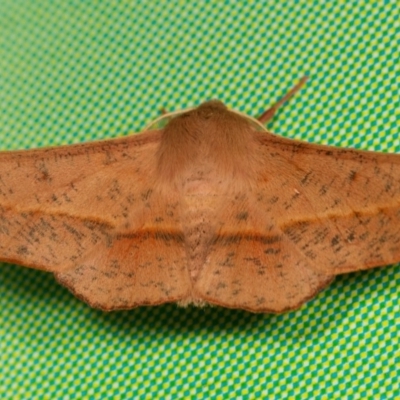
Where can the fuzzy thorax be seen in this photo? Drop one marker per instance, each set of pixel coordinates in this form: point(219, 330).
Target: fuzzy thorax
point(209, 137)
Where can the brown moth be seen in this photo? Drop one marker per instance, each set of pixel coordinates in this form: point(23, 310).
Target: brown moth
point(211, 209)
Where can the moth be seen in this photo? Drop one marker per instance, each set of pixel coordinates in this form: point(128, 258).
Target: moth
point(210, 209)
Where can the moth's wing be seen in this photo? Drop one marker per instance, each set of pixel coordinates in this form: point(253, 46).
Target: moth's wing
point(252, 265)
point(340, 208)
point(314, 212)
point(90, 214)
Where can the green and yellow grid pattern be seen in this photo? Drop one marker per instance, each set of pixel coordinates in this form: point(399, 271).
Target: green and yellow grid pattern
point(73, 71)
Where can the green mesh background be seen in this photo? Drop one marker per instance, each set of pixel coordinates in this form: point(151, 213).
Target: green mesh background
point(73, 71)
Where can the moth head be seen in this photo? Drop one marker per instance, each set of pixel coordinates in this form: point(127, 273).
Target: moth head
point(209, 108)
point(205, 111)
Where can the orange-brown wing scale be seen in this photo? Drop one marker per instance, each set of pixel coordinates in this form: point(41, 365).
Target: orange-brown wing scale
point(315, 212)
point(340, 208)
point(88, 213)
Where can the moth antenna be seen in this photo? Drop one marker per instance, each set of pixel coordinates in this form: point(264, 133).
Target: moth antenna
point(268, 114)
point(166, 114)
